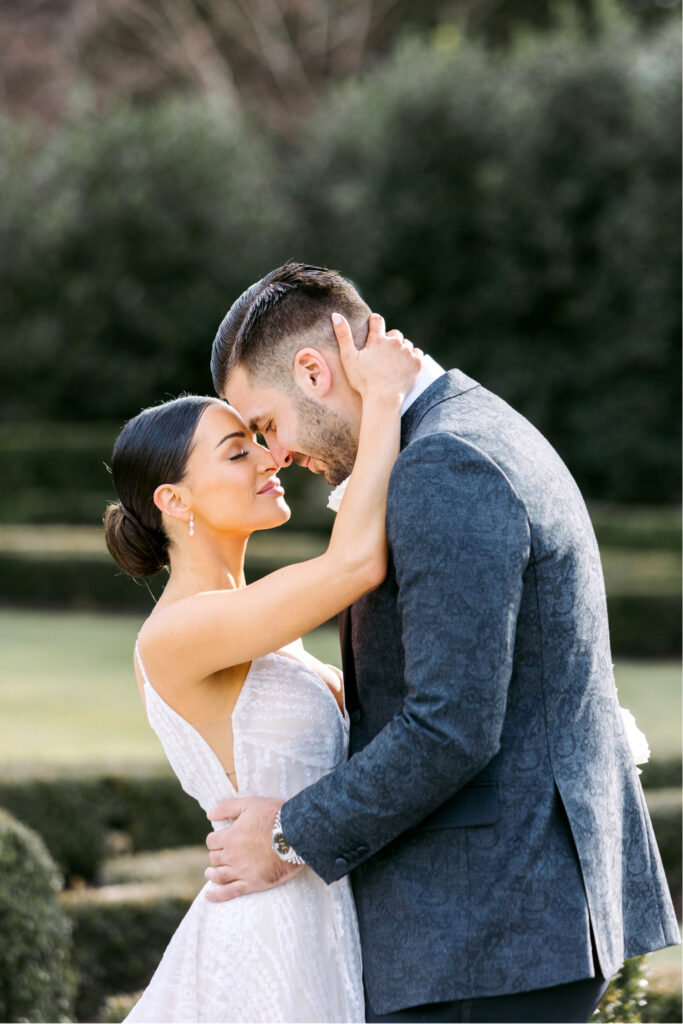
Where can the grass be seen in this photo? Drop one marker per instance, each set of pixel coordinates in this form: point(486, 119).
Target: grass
point(68, 694)
point(652, 691)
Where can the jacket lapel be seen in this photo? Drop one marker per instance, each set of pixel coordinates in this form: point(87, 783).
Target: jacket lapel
point(449, 385)
point(348, 664)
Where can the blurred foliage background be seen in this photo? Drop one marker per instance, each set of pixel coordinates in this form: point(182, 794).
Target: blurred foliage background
point(501, 179)
point(515, 209)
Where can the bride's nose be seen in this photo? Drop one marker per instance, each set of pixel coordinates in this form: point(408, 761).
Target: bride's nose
point(267, 462)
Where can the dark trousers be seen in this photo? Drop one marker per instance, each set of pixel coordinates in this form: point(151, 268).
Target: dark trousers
point(572, 1003)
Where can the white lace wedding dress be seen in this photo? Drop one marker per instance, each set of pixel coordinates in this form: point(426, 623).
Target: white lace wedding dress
point(291, 953)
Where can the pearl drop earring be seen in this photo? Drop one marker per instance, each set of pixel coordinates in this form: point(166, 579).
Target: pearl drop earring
point(191, 524)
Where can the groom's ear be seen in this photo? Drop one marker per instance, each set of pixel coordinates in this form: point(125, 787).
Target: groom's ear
point(312, 372)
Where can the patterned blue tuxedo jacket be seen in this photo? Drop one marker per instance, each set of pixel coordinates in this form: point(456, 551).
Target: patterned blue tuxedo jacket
point(491, 813)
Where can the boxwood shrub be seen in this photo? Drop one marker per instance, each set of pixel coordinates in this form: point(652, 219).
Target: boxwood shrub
point(69, 815)
point(36, 978)
point(116, 1008)
point(662, 773)
point(120, 934)
point(75, 813)
point(645, 625)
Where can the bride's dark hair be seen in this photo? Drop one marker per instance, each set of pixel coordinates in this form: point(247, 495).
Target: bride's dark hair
point(152, 449)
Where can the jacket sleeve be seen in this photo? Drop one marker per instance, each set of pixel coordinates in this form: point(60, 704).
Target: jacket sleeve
point(459, 539)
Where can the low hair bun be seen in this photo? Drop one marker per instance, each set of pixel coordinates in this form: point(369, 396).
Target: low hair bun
point(152, 449)
point(138, 550)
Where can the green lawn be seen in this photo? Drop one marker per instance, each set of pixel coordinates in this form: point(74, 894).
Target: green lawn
point(68, 692)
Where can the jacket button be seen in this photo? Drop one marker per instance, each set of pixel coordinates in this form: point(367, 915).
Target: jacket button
point(362, 850)
point(341, 863)
point(355, 716)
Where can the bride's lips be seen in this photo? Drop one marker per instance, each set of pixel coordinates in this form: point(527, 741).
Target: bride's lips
point(272, 487)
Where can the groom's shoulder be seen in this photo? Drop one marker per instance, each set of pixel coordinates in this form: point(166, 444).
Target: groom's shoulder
point(433, 446)
point(437, 461)
point(472, 428)
point(458, 406)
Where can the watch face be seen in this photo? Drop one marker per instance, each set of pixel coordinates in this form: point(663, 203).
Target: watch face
point(280, 843)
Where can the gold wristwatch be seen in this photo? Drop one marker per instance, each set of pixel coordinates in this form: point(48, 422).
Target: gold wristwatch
point(281, 846)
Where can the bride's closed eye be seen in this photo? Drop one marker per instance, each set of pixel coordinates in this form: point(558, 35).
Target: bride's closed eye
point(240, 455)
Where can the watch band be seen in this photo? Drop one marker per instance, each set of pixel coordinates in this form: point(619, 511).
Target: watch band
point(281, 846)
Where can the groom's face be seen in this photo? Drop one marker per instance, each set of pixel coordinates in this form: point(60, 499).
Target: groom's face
point(296, 428)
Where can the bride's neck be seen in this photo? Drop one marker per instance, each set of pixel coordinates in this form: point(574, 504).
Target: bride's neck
point(206, 563)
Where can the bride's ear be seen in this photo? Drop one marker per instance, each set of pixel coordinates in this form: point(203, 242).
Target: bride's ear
point(169, 502)
point(312, 372)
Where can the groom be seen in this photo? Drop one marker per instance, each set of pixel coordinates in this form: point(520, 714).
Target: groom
point(502, 858)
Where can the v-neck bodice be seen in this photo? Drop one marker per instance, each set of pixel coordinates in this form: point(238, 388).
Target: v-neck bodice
point(291, 953)
point(287, 733)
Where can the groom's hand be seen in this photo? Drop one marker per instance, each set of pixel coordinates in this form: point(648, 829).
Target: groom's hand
point(242, 857)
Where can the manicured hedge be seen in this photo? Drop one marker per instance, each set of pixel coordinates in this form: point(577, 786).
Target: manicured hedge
point(645, 625)
point(75, 814)
point(82, 582)
point(70, 815)
point(119, 933)
point(36, 978)
point(117, 1007)
point(88, 582)
point(57, 473)
point(663, 773)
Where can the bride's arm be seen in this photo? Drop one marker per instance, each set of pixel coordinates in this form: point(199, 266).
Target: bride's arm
point(213, 630)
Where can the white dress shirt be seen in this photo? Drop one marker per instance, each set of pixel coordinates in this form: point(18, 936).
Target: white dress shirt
point(430, 372)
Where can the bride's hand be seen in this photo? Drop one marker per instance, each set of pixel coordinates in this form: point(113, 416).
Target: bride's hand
point(388, 364)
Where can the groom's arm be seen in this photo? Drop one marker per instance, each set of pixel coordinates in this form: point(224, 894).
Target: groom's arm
point(460, 541)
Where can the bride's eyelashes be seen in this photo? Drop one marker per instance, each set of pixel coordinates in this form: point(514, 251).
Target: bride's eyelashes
point(240, 455)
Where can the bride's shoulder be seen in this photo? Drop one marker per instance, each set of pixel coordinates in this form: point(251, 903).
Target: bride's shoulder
point(159, 645)
point(153, 630)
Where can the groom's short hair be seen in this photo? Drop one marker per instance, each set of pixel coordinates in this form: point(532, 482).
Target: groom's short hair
point(263, 328)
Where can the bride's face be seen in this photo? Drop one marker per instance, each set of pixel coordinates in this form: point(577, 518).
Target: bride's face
point(231, 483)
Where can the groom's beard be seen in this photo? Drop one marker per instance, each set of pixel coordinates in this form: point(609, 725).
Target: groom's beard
point(327, 437)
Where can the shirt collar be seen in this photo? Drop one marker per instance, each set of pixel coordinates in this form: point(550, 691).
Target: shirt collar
point(430, 372)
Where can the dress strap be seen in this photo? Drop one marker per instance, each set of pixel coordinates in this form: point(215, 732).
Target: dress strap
point(141, 666)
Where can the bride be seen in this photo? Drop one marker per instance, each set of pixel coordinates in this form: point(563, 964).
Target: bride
point(236, 701)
